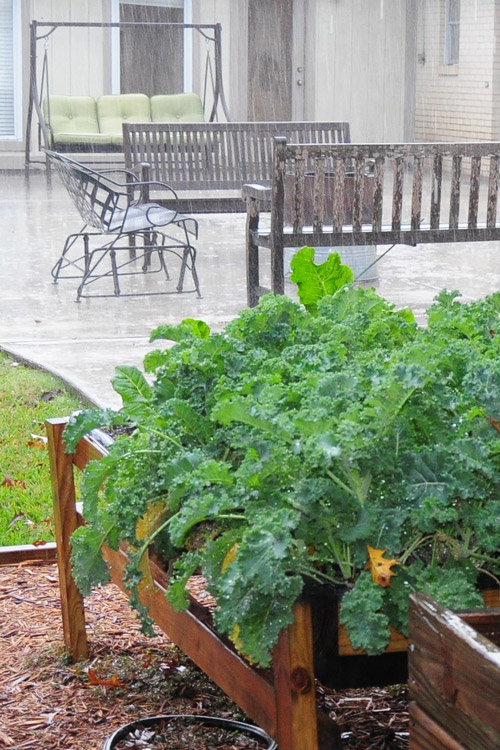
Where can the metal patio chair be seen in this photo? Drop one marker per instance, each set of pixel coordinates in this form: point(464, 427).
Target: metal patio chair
point(134, 230)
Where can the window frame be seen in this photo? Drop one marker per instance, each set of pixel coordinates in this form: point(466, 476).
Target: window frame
point(16, 135)
point(452, 33)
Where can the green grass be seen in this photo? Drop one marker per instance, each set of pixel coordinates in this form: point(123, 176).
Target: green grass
point(27, 398)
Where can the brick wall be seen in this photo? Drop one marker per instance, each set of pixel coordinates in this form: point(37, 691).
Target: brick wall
point(458, 102)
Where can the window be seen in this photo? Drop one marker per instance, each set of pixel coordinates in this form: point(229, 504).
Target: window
point(452, 37)
point(169, 70)
point(10, 43)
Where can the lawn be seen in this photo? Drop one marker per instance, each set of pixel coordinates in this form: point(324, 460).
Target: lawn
point(27, 398)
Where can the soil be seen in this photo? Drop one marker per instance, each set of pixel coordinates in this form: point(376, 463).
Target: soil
point(48, 703)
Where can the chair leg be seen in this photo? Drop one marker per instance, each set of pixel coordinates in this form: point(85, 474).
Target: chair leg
point(114, 269)
point(189, 254)
point(63, 262)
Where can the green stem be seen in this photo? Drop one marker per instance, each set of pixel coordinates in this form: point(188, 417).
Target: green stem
point(413, 546)
point(341, 484)
point(164, 436)
point(152, 537)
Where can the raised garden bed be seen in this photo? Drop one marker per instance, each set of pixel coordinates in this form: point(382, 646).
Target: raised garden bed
point(301, 449)
point(454, 677)
point(281, 700)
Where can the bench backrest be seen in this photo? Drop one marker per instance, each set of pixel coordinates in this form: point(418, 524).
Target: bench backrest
point(391, 193)
point(215, 156)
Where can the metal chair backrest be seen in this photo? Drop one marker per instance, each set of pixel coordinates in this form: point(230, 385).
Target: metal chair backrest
point(93, 195)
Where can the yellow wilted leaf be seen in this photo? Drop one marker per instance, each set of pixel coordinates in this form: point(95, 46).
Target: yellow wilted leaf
point(380, 567)
point(153, 517)
point(235, 638)
point(230, 556)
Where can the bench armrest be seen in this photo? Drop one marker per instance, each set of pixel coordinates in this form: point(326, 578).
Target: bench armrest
point(257, 192)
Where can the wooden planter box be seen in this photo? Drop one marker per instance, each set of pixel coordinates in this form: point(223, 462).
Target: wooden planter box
point(282, 699)
point(454, 680)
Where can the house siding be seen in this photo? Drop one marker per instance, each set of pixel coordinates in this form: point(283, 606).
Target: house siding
point(457, 103)
point(362, 70)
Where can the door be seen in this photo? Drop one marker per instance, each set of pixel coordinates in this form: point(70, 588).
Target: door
point(275, 59)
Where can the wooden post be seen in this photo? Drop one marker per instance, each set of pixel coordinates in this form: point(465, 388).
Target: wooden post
point(296, 719)
point(66, 521)
point(252, 252)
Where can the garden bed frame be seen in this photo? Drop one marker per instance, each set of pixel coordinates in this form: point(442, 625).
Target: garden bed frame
point(281, 700)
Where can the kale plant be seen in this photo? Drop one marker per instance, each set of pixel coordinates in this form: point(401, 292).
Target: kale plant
point(336, 443)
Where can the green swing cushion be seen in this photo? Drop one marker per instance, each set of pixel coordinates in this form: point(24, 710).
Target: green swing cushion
point(115, 109)
point(186, 107)
point(73, 119)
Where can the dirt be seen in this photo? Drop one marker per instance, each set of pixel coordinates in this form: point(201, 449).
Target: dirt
point(48, 703)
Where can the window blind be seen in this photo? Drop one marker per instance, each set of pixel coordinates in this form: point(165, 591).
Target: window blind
point(7, 122)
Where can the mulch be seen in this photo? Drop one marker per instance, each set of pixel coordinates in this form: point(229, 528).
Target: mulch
point(47, 702)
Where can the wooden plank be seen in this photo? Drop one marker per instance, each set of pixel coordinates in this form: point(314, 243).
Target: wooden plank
point(338, 196)
point(378, 193)
point(253, 693)
point(416, 198)
point(397, 643)
point(456, 167)
point(492, 206)
point(359, 183)
point(474, 191)
point(397, 192)
point(20, 553)
point(297, 727)
point(66, 521)
point(426, 734)
point(319, 195)
point(436, 185)
point(252, 251)
point(454, 674)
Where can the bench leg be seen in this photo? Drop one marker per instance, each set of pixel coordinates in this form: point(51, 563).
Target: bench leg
point(252, 252)
point(66, 521)
point(277, 269)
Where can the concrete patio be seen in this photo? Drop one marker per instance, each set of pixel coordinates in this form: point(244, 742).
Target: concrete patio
point(41, 323)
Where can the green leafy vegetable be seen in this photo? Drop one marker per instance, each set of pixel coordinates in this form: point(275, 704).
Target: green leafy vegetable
point(279, 450)
point(316, 281)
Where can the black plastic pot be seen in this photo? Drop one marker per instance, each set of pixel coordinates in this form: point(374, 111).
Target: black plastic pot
point(209, 721)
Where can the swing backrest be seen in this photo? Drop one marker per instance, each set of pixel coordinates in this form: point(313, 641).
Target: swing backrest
point(186, 107)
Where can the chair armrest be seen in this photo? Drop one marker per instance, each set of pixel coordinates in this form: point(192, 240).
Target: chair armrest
point(257, 192)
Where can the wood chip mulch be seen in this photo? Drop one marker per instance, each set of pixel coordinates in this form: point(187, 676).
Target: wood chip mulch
point(48, 703)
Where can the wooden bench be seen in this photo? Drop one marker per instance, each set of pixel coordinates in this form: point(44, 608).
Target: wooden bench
point(208, 163)
point(454, 677)
point(367, 194)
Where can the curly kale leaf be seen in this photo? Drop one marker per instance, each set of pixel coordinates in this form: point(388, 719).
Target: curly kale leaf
point(89, 567)
point(257, 588)
point(362, 614)
point(83, 422)
point(188, 328)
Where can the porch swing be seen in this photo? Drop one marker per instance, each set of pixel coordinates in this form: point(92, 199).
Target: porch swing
point(82, 124)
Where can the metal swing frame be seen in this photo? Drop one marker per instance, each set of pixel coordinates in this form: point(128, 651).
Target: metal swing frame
point(210, 32)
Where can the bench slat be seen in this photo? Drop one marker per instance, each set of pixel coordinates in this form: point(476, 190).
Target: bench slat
point(416, 198)
point(491, 211)
point(378, 193)
point(456, 172)
point(437, 176)
point(397, 193)
point(474, 191)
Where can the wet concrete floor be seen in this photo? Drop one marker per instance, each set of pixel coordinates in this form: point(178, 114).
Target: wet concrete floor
point(40, 322)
